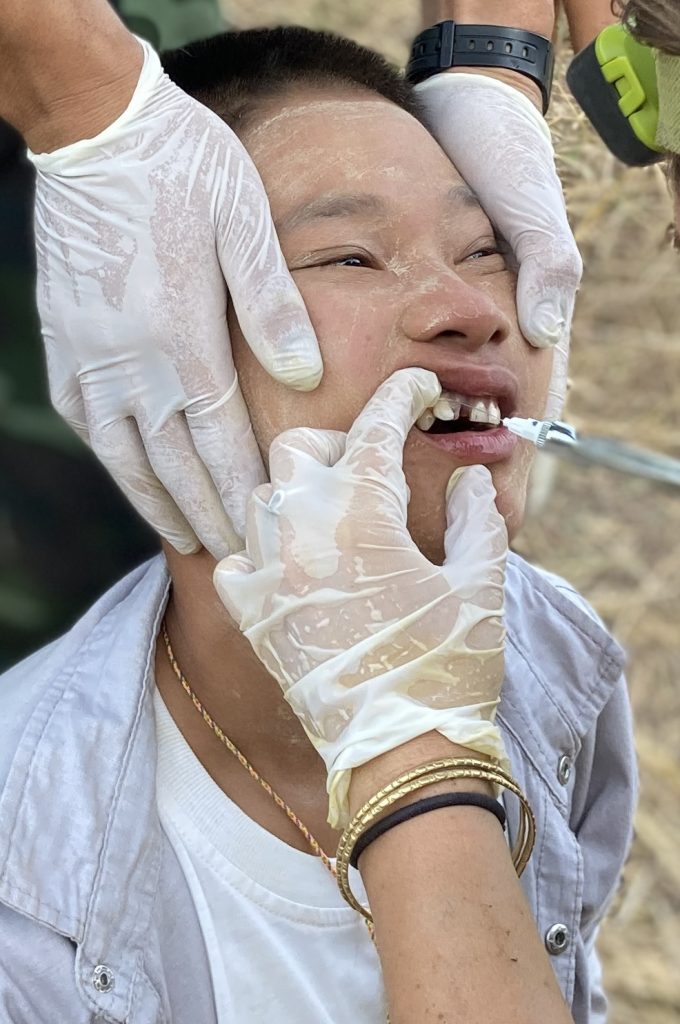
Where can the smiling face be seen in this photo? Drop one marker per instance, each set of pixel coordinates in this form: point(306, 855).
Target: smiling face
point(398, 266)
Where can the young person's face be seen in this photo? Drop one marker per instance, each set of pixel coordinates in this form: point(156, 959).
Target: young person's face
point(398, 266)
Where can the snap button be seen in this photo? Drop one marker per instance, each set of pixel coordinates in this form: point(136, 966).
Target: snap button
point(557, 939)
point(564, 769)
point(103, 978)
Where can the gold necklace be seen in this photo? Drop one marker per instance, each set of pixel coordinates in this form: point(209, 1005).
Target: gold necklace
point(279, 801)
point(232, 748)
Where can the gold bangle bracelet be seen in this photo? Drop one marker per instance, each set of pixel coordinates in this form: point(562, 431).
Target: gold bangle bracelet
point(446, 769)
point(464, 768)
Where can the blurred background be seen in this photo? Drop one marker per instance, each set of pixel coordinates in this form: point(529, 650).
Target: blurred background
point(66, 534)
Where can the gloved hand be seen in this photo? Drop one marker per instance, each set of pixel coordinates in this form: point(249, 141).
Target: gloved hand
point(136, 232)
point(371, 643)
point(501, 145)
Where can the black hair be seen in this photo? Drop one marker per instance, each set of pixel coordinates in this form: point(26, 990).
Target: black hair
point(233, 72)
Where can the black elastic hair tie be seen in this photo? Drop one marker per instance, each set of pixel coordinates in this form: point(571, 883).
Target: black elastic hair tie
point(430, 803)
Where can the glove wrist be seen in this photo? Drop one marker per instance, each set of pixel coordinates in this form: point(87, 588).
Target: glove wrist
point(368, 778)
point(520, 83)
point(438, 92)
point(450, 44)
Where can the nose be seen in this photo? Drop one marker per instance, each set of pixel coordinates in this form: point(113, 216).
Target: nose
point(448, 308)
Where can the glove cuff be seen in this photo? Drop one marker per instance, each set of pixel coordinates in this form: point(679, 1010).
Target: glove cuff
point(442, 88)
point(471, 727)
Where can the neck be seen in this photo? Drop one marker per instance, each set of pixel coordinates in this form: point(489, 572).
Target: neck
point(231, 684)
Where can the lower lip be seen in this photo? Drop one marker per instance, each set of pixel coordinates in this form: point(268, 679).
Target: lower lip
point(473, 445)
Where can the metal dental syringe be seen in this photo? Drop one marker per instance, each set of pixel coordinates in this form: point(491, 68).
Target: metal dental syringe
point(561, 439)
point(542, 433)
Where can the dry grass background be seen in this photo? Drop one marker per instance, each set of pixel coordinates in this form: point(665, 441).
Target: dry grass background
point(617, 538)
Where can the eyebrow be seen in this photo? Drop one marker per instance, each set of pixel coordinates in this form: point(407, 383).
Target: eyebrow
point(358, 204)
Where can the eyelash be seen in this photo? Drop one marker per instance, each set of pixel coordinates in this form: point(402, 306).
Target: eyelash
point(483, 253)
point(365, 261)
point(342, 260)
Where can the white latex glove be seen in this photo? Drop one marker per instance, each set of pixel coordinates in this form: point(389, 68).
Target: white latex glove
point(136, 232)
point(371, 643)
point(502, 147)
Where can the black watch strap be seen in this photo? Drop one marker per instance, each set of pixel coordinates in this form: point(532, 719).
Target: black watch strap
point(452, 45)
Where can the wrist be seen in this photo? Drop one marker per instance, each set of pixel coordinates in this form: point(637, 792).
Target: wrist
point(67, 76)
point(368, 778)
point(517, 57)
point(87, 108)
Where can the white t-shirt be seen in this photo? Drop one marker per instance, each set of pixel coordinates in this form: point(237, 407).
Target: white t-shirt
point(282, 943)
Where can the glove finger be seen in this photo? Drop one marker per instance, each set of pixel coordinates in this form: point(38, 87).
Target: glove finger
point(177, 465)
point(225, 443)
point(228, 578)
point(323, 446)
point(476, 539)
point(65, 390)
point(376, 439)
point(119, 448)
point(474, 117)
point(559, 381)
point(546, 292)
point(262, 536)
point(269, 307)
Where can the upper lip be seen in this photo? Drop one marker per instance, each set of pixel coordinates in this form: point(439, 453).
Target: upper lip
point(472, 379)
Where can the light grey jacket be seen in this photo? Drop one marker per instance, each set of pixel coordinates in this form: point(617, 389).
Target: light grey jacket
point(96, 920)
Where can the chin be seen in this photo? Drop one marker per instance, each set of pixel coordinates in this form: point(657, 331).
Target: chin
point(427, 508)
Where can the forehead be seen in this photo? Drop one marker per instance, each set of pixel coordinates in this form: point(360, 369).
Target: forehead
point(314, 141)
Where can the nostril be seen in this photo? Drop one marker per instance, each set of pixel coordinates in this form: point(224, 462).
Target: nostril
point(453, 335)
point(456, 314)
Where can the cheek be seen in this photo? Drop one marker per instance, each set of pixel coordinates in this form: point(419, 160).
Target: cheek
point(536, 369)
point(354, 326)
point(351, 330)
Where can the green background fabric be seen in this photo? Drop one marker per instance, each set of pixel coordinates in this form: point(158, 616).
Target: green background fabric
point(170, 23)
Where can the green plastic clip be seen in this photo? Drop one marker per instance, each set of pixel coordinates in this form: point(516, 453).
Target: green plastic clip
point(615, 81)
point(630, 67)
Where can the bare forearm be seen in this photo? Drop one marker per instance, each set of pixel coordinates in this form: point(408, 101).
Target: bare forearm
point(67, 69)
point(456, 938)
point(586, 20)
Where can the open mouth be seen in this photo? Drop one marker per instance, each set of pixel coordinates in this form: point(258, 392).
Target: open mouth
point(455, 413)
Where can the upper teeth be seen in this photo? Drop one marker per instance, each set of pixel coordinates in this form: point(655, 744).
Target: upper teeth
point(450, 405)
